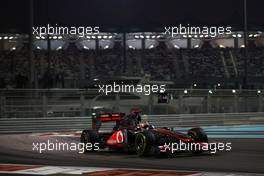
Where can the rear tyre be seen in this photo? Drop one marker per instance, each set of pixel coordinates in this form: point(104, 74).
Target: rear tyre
point(91, 137)
point(144, 141)
point(199, 136)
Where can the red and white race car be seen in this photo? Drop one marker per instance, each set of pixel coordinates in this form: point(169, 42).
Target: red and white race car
point(130, 135)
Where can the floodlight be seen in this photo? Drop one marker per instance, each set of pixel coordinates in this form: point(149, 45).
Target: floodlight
point(106, 47)
point(176, 46)
point(59, 48)
point(151, 46)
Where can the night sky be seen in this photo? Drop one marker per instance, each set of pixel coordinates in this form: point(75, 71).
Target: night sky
point(130, 15)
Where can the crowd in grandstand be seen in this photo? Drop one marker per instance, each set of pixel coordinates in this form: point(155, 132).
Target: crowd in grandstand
point(52, 69)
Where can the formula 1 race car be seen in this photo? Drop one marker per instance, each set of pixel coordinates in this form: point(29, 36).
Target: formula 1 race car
point(130, 135)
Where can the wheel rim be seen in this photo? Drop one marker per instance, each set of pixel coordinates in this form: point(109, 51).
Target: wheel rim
point(85, 138)
point(140, 143)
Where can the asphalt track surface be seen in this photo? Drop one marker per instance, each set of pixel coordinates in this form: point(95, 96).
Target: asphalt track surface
point(247, 155)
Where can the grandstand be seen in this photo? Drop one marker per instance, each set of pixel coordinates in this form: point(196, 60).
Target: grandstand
point(204, 75)
point(74, 62)
point(226, 70)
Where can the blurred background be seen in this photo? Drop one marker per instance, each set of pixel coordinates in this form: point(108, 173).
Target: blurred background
point(58, 75)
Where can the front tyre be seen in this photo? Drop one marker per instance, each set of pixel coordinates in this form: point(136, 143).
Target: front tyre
point(144, 142)
point(89, 137)
point(199, 136)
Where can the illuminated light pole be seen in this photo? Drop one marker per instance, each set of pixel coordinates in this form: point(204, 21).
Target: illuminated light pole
point(245, 83)
point(30, 46)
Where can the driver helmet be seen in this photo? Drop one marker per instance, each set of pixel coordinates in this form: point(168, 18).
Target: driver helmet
point(135, 113)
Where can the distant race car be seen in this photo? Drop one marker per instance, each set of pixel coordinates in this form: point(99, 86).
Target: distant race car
point(130, 135)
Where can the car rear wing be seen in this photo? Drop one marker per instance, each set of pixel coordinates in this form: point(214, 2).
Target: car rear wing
point(101, 118)
point(110, 117)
